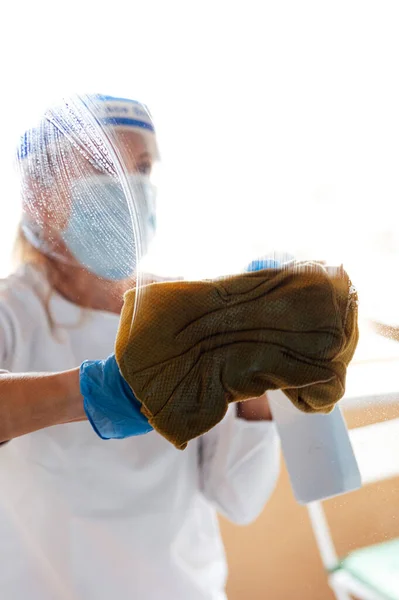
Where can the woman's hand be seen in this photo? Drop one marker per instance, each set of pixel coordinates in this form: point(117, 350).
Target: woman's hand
point(109, 403)
point(255, 409)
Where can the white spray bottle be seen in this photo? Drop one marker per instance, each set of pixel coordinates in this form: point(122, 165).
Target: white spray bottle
point(317, 451)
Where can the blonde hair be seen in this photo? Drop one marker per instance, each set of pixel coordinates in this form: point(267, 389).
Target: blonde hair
point(24, 253)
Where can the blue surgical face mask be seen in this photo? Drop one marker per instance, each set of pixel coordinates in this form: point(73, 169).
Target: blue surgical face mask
point(101, 234)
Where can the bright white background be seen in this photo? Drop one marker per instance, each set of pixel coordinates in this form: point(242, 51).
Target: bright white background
point(278, 121)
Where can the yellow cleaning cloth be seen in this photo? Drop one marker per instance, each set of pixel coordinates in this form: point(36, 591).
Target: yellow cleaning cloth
point(190, 348)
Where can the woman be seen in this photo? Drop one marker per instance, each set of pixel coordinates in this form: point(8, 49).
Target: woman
point(81, 518)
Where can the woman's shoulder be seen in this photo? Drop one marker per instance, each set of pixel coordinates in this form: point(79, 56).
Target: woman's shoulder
point(24, 289)
point(22, 314)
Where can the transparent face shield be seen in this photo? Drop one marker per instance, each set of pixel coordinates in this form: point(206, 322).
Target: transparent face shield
point(87, 187)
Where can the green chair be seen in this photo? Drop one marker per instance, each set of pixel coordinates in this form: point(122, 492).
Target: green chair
point(370, 573)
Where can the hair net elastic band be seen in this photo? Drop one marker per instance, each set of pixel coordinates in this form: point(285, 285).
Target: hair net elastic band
point(124, 121)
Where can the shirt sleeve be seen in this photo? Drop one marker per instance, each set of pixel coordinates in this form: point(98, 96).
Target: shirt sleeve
point(20, 315)
point(7, 337)
point(239, 466)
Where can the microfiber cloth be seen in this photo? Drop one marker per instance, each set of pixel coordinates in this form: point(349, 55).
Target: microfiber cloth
point(188, 349)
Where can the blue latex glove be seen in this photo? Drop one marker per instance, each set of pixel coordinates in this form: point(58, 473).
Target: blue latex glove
point(262, 263)
point(109, 403)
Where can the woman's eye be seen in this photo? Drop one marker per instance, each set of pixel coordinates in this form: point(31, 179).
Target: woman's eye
point(145, 168)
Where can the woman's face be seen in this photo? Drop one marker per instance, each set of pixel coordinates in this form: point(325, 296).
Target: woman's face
point(130, 156)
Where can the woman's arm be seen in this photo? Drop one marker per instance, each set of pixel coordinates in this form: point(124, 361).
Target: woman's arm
point(32, 401)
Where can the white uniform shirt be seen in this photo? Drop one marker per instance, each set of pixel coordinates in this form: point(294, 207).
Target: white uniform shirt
point(87, 519)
